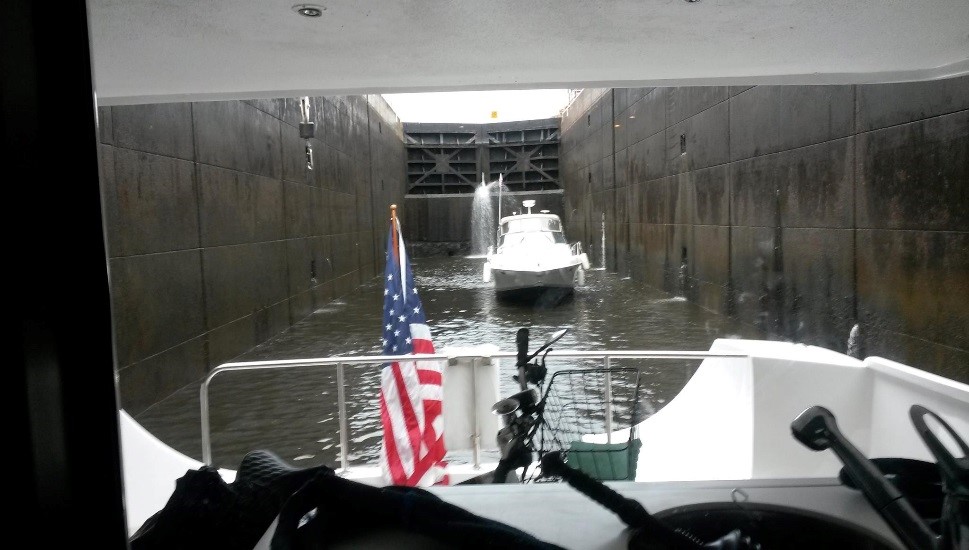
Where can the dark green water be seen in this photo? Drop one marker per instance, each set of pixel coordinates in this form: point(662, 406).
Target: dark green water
point(294, 412)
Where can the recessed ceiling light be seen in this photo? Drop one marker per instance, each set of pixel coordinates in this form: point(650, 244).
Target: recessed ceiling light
point(309, 10)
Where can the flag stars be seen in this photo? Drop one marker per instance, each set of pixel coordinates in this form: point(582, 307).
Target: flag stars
point(396, 333)
point(388, 327)
point(396, 297)
point(401, 318)
point(417, 310)
point(394, 348)
point(392, 312)
point(390, 277)
point(386, 292)
point(408, 340)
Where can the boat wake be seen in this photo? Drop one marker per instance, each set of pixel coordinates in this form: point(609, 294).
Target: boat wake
point(671, 300)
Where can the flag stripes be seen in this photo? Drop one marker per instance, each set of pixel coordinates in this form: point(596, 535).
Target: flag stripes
point(412, 450)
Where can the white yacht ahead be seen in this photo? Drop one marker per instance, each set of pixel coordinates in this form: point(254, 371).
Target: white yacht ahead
point(533, 256)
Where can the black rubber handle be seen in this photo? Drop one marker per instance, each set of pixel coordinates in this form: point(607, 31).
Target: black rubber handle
point(522, 340)
point(817, 429)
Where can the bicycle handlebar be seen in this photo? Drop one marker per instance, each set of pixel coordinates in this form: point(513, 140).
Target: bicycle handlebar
point(522, 340)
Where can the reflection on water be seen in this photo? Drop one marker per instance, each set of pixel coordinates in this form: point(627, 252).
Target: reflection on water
point(294, 412)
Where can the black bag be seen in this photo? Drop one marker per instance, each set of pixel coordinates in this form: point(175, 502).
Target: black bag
point(205, 512)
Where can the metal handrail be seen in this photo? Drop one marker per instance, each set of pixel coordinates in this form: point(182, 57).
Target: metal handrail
point(340, 362)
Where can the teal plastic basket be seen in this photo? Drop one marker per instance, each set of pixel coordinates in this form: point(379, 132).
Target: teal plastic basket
point(606, 461)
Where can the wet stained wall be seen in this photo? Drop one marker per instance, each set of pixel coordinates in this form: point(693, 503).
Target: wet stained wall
point(802, 210)
point(220, 237)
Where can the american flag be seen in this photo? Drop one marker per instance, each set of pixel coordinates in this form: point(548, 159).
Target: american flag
point(412, 450)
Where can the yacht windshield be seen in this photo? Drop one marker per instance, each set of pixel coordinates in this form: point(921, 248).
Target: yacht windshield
point(531, 224)
point(535, 238)
point(532, 239)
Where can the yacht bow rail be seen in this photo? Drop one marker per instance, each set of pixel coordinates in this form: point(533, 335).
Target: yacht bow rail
point(339, 363)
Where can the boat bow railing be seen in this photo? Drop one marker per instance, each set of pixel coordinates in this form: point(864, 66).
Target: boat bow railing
point(340, 364)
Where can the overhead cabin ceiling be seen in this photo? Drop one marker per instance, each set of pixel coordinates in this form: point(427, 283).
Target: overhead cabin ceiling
point(177, 50)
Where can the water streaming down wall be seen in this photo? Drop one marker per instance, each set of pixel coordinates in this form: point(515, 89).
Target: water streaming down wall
point(482, 221)
point(602, 240)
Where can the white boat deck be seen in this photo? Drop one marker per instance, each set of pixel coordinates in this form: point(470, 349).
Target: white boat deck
point(730, 422)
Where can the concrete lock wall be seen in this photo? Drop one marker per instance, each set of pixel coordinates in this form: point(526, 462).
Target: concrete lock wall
point(220, 237)
point(802, 210)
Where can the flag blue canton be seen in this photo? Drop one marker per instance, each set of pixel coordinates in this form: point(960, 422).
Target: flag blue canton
point(402, 304)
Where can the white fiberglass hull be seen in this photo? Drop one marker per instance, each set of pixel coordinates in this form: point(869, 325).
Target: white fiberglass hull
point(507, 280)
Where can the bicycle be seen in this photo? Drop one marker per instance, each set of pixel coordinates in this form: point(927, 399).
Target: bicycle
point(567, 416)
point(538, 424)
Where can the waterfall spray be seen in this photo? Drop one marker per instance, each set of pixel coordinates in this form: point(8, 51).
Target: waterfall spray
point(500, 185)
point(483, 224)
point(482, 221)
